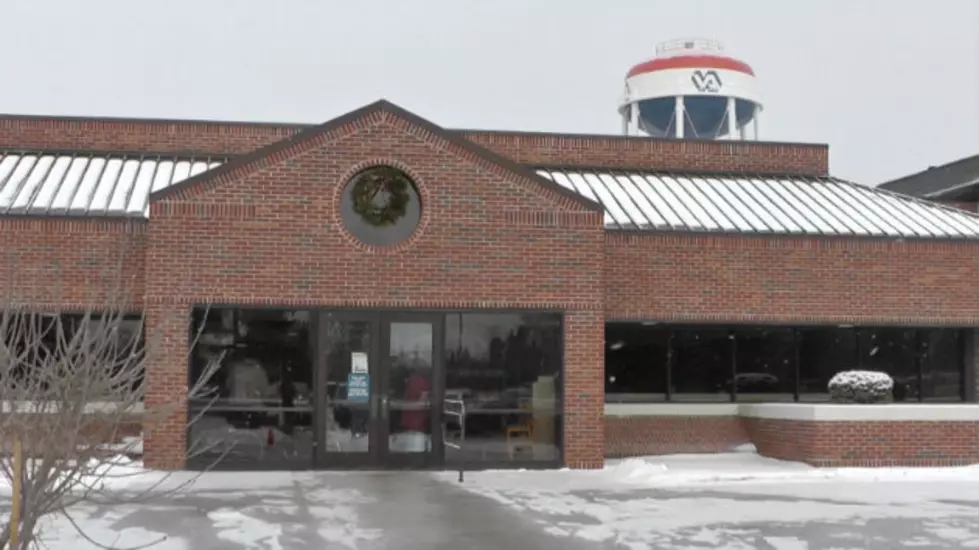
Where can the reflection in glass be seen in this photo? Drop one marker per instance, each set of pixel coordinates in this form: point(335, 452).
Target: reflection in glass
point(636, 360)
point(347, 416)
point(702, 365)
point(892, 350)
point(765, 363)
point(943, 365)
point(409, 388)
point(259, 402)
point(823, 352)
point(502, 387)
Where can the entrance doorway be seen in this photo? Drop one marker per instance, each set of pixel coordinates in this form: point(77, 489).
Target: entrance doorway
point(382, 376)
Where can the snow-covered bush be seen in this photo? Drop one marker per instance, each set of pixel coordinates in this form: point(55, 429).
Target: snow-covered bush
point(861, 386)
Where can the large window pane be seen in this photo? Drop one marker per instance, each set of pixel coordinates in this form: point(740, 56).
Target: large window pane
point(702, 365)
point(502, 387)
point(636, 357)
point(894, 351)
point(259, 402)
point(823, 352)
point(49, 343)
point(943, 365)
point(765, 364)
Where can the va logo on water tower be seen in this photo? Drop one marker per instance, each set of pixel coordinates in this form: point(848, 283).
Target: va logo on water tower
point(706, 81)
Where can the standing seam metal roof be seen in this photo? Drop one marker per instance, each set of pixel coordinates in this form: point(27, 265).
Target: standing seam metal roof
point(90, 183)
point(737, 203)
point(113, 184)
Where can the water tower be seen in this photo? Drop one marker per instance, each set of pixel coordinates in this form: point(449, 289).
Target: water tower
point(691, 80)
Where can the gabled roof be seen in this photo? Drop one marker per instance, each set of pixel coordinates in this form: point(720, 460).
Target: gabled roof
point(767, 205)
point(946, 181)
point(382, 105)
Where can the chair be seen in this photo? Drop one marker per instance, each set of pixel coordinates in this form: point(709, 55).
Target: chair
point(520, 436)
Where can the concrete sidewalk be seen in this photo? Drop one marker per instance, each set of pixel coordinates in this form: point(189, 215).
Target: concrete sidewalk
point(351, 511)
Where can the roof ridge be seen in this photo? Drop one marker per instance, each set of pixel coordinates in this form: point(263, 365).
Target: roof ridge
point(244, 161)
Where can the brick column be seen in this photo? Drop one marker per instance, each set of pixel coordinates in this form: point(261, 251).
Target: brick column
point(165, 427)
point(584, 389)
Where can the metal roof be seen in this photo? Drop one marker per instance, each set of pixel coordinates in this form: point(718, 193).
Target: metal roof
point(786, 205)
point(89, 184)
point(119, 184)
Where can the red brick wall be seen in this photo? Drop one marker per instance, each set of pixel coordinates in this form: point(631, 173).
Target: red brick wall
point(487, 240)
point(771, 279)
point(656, 154)
point(627, 436)
point(59, 263)
point(24, 132)
point(867, 444)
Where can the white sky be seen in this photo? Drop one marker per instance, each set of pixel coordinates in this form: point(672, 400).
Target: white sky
point(891, 85)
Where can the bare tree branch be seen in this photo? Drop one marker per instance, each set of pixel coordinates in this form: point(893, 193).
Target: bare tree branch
point(72, 389)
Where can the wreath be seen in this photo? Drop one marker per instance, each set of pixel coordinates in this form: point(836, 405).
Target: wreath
point(381, 196)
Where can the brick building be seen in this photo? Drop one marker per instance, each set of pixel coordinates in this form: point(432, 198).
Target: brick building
point(385, 292)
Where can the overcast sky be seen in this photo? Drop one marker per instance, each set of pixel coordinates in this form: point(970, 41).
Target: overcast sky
point(891, 85)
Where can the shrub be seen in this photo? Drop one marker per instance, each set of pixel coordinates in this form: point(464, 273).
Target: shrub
point(861, 386)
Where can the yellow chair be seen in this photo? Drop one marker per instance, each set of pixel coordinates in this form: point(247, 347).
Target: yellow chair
point(520, 436)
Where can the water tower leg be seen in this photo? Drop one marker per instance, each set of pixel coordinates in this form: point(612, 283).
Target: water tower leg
point(754, 122)
point(625, 120)
point(679, 117)
point(634, 118)
point(732, 119)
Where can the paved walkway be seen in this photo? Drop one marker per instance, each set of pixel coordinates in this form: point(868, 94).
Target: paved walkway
point(350, 511)
point(375, 511)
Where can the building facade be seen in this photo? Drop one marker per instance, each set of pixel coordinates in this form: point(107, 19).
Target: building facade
point(383, 292)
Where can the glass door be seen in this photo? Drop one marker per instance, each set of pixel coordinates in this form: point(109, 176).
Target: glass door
point(382, 382)
point(411, 389)
point(348, 363)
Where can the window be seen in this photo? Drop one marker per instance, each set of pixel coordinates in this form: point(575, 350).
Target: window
point(258, 403)
point(765, 364)
point(703, 365)
point(380, 206)
point(777, 363)
point(892, 350)
point(66, 346)
point(502, 387)
point(943, 365)
point(823, 352)
point(636, 358)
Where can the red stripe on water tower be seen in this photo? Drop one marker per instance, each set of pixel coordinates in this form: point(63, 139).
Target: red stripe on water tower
point(691, 62)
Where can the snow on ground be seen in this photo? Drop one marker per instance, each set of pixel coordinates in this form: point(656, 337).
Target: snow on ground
point(247, 510)
point(742, 500)
point(732, 501)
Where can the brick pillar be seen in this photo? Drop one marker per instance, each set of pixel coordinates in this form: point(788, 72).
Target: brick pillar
point(584, 389)
point(165, 427)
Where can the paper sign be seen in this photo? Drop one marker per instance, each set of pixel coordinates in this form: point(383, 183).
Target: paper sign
point(358, 362)
point(358, 387)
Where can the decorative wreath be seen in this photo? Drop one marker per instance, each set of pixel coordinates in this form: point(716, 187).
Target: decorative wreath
point(381, 195)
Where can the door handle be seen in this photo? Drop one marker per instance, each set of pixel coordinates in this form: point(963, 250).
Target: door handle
point(384, 406)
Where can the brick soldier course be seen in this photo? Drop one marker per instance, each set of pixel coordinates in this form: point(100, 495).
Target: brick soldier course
point(264, 229)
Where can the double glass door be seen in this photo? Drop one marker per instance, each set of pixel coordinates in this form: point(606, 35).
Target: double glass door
point(382, 392)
